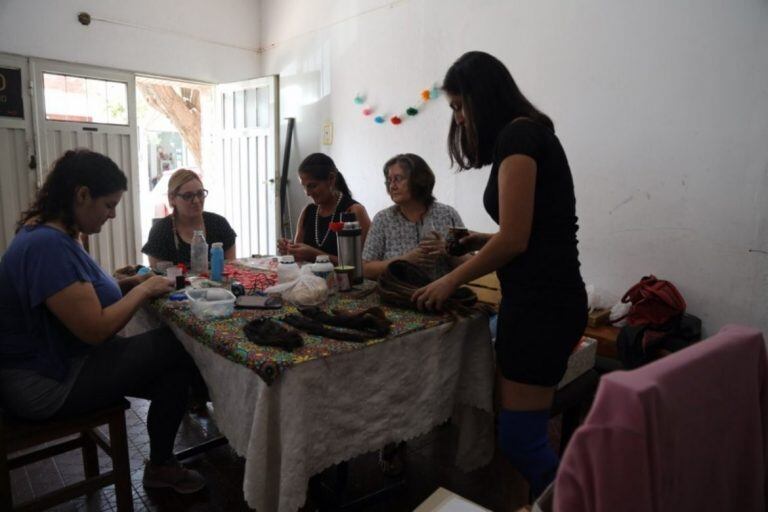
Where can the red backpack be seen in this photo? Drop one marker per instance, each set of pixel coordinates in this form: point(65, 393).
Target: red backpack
point(654, 302)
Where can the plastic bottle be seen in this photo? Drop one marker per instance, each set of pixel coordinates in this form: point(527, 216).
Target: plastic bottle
point(217, 261)
point(199, 250)
point(324, 268)
point(287, 269)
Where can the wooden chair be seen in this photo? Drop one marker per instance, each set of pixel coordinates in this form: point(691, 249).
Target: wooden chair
point(43, 439)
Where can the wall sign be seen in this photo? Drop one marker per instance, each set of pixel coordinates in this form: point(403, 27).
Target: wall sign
point(11, 104)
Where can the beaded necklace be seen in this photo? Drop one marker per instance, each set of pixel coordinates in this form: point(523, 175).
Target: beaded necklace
point(317, 222)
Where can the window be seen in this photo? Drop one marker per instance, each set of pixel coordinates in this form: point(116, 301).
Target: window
point(85, 100)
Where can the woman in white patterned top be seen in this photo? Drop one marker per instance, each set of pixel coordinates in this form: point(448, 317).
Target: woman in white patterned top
point(415, 227)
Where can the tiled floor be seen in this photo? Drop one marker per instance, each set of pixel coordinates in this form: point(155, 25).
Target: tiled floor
point(496, 486)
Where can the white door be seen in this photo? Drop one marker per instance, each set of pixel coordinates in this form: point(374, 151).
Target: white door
point(247, 154)
point(18, 173)
point(94, 108)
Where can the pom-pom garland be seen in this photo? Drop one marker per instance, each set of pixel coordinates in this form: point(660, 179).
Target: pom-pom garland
point(396, 119)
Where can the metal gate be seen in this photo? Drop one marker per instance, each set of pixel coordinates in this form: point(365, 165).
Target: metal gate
point(119, 241)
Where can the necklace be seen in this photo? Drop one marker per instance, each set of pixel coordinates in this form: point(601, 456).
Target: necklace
point(317, 223)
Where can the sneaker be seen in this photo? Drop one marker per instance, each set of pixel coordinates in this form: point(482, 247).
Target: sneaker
point(173, 475)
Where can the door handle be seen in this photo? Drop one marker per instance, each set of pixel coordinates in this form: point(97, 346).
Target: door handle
point(32, 162)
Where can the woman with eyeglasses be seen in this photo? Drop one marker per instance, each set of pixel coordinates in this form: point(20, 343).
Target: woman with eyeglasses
point(331, 198)
point(170, 238)
point(415, 227)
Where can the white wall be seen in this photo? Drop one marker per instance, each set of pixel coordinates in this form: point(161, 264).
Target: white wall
point(194, 39)
point(662, 108)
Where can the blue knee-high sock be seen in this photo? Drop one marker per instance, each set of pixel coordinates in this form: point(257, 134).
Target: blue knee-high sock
point(523, 440)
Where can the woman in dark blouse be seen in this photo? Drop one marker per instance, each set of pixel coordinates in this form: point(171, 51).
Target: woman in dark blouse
point(530, 195)
point(331, 198)
point(170, 237)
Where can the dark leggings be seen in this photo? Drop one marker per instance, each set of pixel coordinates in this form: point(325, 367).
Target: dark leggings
point(152, 365)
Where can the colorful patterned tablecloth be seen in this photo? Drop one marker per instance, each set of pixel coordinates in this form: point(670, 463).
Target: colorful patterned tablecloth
point(226, 336)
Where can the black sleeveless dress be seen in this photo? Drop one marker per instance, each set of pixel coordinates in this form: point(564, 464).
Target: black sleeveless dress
point(325, 239)
point(543, 311)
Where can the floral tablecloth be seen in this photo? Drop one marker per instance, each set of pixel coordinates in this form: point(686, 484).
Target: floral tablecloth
point(226, 336)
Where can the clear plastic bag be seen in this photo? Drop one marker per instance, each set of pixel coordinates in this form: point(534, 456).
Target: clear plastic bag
point(307, 290)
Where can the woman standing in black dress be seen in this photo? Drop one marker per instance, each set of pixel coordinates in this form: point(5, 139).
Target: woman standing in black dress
point(530, 194)
point(331, 197)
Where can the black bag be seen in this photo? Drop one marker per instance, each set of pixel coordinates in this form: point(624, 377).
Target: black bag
point(641, 344)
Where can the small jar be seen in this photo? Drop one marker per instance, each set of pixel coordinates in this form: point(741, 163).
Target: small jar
point(287, 269)
point(324, 268)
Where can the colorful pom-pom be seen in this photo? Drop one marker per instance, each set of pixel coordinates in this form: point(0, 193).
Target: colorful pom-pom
point(395, 120)
point(379, 119)
point(434, 93)
point(412, 111)
point(367, 111)
point(359, 100)
point(425, 94)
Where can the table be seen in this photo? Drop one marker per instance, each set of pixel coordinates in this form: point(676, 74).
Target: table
point(293, 415)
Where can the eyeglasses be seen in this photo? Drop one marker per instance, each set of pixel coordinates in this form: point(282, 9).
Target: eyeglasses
point(189, 196)
point(394, 179)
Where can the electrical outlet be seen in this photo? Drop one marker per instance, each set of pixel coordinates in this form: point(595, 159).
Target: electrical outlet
point(327, 133)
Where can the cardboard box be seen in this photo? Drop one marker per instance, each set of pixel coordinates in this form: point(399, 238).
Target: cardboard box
point(581, 361)
point(443, 500)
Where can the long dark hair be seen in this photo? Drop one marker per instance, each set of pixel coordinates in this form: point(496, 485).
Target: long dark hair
point(321, 167)
point(75, 168)
point(421, 179)
point(491, 99)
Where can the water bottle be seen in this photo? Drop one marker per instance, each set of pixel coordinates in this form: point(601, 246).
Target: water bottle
point(217, 261)
point(350, 249)
point(199, 250)
point(287, 269)
point(324, 268)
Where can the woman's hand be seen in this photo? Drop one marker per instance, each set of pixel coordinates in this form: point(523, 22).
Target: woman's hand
point(303, 252)
point(282, 246)
point(156, 286)
point(417, 256)
point(475, 241)
point(433, 296)
point(433, 248)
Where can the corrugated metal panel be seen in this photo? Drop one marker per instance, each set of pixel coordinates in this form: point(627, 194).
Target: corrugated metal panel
point(16, 182)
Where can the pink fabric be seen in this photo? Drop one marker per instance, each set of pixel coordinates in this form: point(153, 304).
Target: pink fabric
point(686, 433)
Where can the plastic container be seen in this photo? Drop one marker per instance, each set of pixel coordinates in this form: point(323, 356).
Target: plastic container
point(287, 269)
point(323, 268)
point(350, 250)
point(217, 261)
point(344, 277)
point(210, 303)
point(199, 253)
